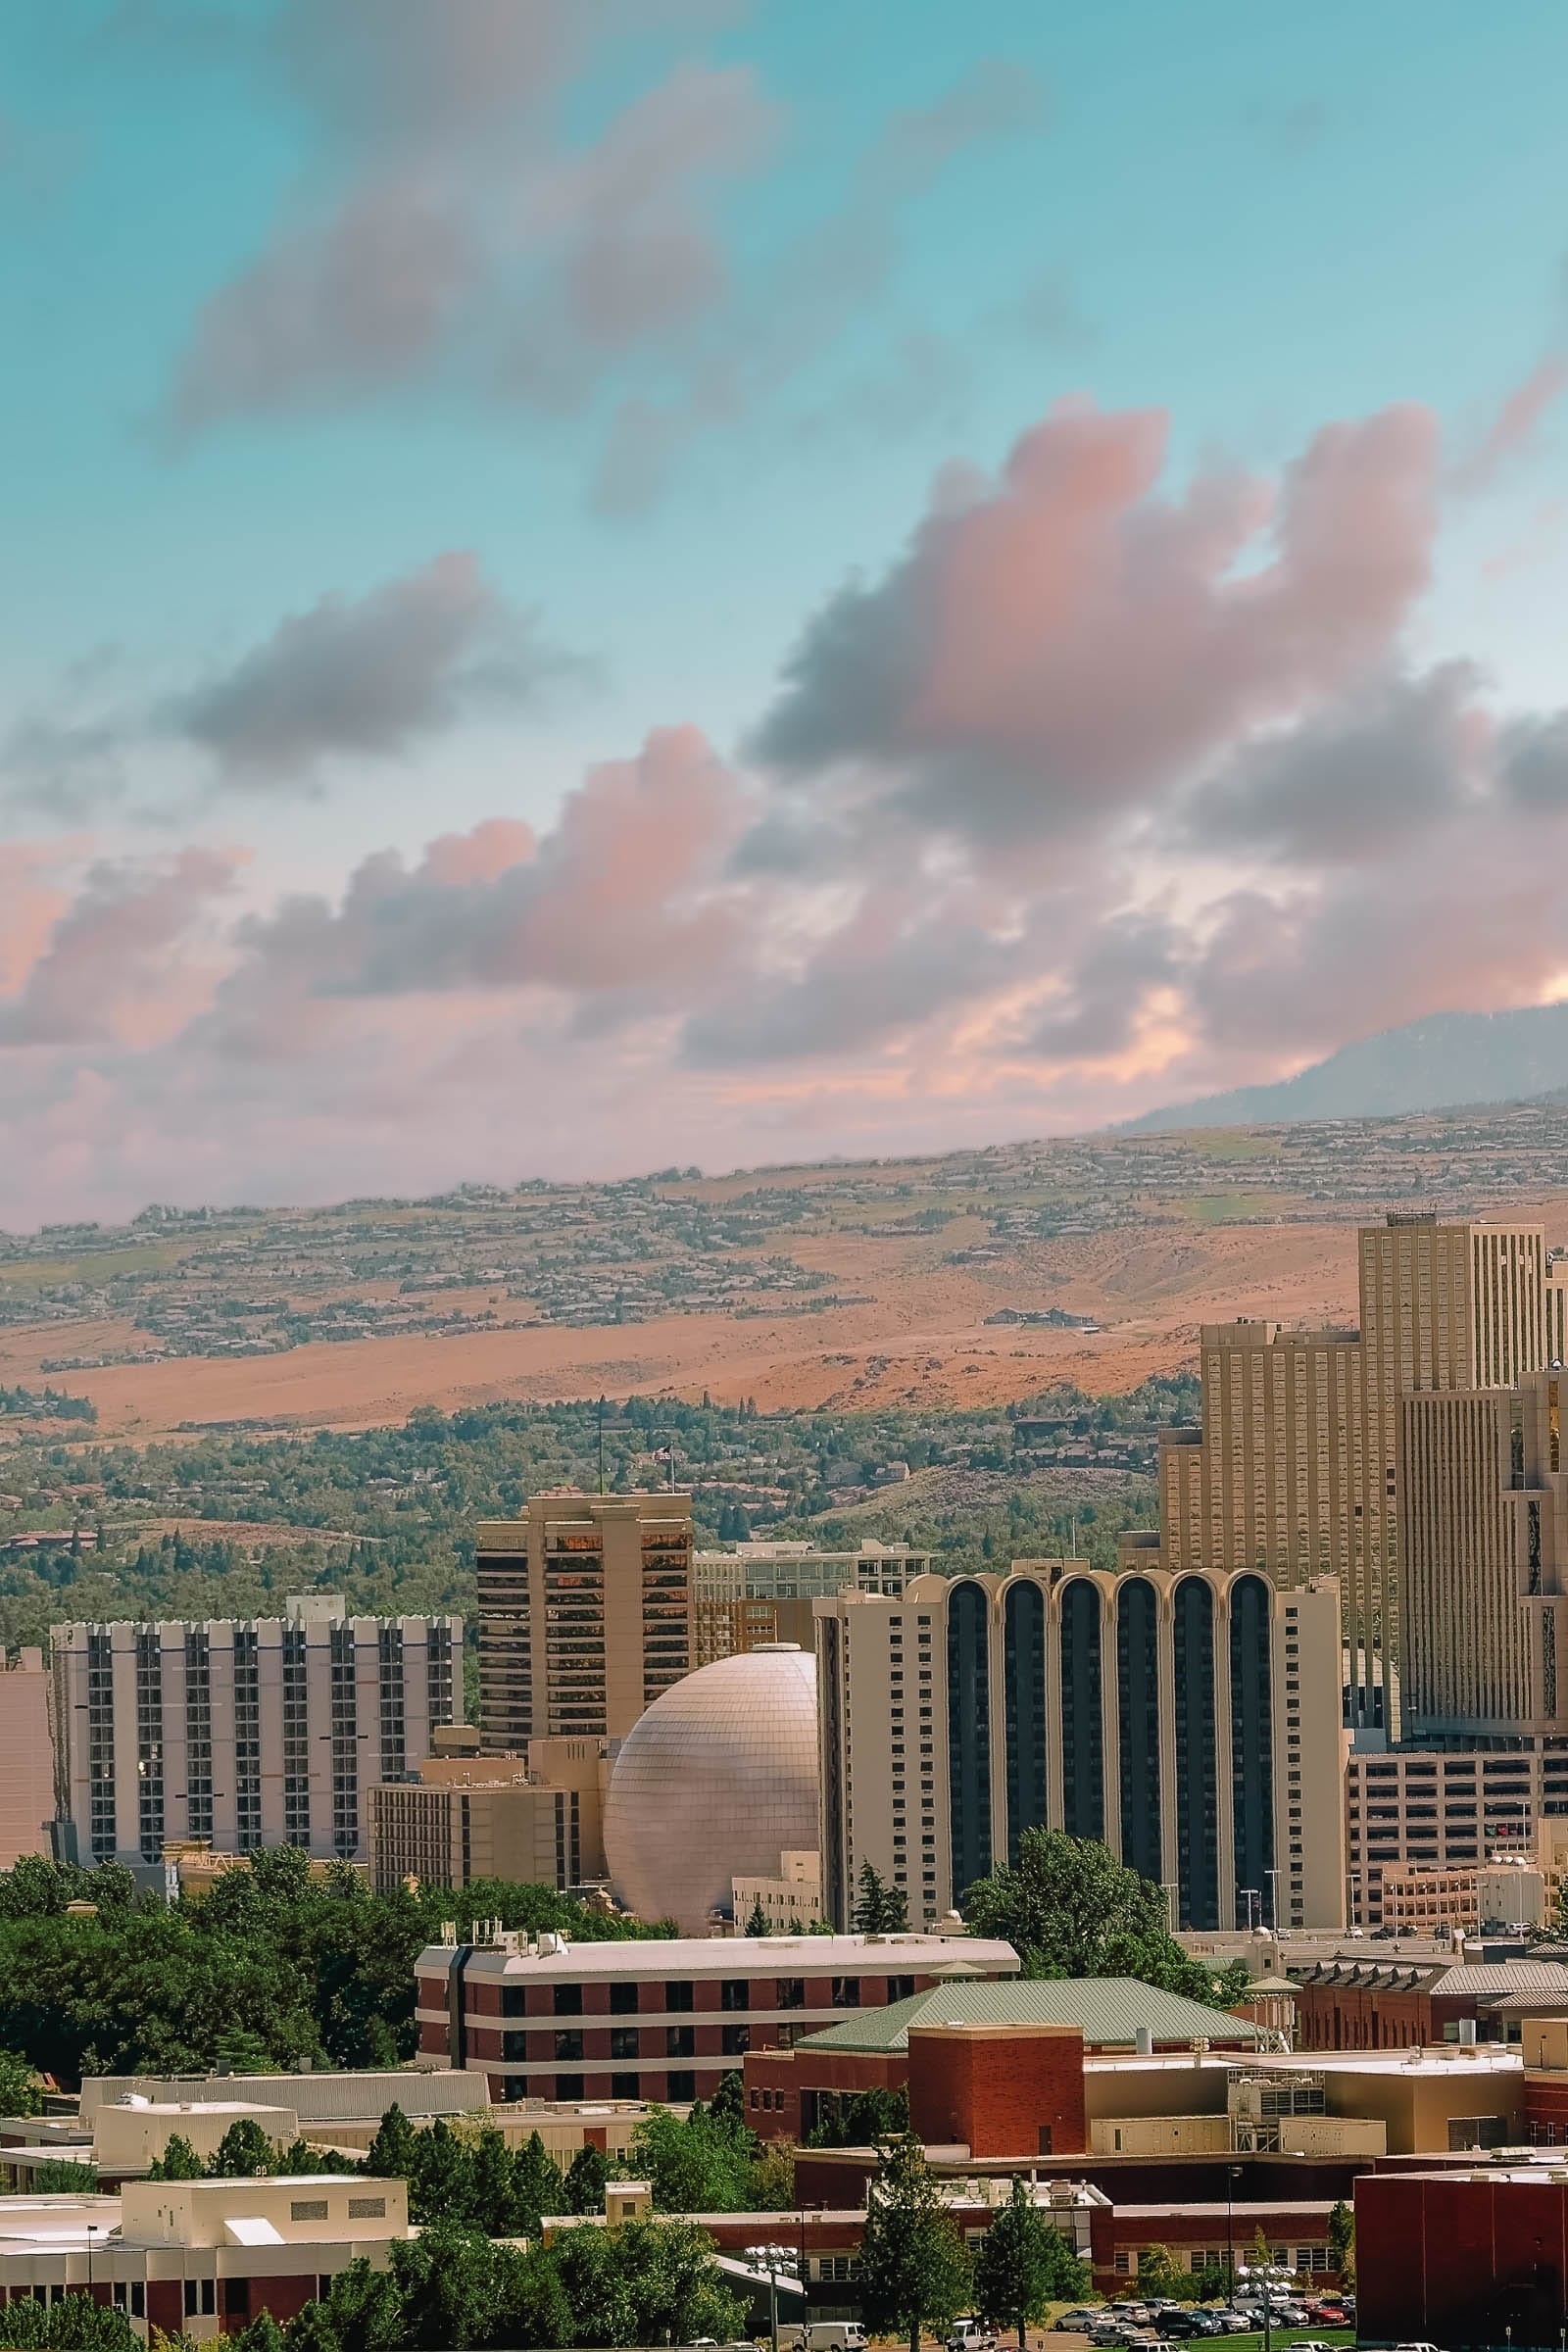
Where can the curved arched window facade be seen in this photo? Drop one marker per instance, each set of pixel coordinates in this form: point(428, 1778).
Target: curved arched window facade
point(1138, 1696)
point(1083, 1745)
point(1197, 1759)
point(968, 1736)
point(1252, 1743)
point(1023, 1683)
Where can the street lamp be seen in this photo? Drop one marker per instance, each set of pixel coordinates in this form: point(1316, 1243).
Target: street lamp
point(779, 2261)
point(1233, 2173)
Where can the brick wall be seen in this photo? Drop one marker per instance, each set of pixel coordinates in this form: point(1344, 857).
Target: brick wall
point(999, 2090)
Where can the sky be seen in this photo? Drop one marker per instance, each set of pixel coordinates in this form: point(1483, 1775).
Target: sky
point(599, 584)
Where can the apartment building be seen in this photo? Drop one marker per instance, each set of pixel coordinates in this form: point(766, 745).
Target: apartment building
point(763, 1592)
point(242, 1732)
point(585, 1616)
point(1436, 1810)
point(563, 2020)
point(536, 1818)
point(1192, 1722)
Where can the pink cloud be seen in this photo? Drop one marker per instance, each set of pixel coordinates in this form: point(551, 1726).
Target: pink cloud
point(1054, 647)
point(1513, 430)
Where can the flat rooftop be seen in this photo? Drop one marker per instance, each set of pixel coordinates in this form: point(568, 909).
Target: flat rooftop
point(739, 1956)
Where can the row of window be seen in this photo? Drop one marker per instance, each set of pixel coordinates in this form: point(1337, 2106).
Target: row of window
point(744, 1993)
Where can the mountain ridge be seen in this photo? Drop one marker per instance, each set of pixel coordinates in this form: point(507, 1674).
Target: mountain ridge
point(1445, 1061)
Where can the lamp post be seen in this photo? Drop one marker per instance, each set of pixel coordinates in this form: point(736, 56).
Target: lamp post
point(1233, 2173)
point(1252, 1899)
point(779, 2263)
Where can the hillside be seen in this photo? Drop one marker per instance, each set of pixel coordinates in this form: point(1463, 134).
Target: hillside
point(955, 1282)
point(1448, 1060)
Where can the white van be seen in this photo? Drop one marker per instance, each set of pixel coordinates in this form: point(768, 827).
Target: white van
point(830, 2335)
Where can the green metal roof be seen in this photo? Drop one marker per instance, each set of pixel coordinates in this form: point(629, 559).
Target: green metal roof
point(1110, 2009)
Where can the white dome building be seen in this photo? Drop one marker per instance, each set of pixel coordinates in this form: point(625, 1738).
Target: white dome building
point(715, 1782)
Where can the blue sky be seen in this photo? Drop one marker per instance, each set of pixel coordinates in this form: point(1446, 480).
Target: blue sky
point(821, 259)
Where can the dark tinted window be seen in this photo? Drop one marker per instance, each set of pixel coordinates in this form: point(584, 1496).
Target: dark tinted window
point(568, 2001)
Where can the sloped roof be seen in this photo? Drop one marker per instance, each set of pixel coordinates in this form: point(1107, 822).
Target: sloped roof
point(1109, 2010)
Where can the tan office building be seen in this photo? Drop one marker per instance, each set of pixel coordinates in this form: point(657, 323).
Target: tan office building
point(761, 1593)
point(27, 1757)
point(1295, 1469)
point(535, 1820)
point(585, 1616)
point(1190, 1721)
point(1484, 1561)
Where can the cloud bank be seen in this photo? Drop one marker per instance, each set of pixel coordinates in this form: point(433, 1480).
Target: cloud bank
point(1109, 788)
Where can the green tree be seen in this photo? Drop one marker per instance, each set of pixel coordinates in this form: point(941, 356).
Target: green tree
point(178, 2161)
point(540, 2185)
point(76, 2324)
point(393, 2150)
point(441, 2185)
point(1070, 1909)
point(774, 2178)
point(261, 2334)
point(446, 2279)
point(1020, 2266)
point(60, 2177)
point(239, 2051)
point(243, 2152)
point(362, 2312)
point(915, 2273)
point(879, 1909)
point(1342, 2242)
point(532, 2310)
point(858, 2118)
point(1157, 2273)
point(495, 2200)
point(21, 2091)
point(697, 2164)
point(586, 2175)
point(757, 1918)
point(727, 2106)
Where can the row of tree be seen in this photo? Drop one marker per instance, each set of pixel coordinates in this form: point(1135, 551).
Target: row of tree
point(917, 2274)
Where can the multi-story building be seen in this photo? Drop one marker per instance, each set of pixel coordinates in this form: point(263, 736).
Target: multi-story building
point(201, 2258)
point(26, 1765)
point(242, 1732)
point(1484, 1559)
point(1436, 1810)
point(585, 1616)
point(1295, 1467)
point(564, 2021)
point(1193, 1722)
point(537, 1819)
point(763, 1592)
point(1518, 1884)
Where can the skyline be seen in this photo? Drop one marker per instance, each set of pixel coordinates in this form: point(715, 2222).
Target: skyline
point(703, 585)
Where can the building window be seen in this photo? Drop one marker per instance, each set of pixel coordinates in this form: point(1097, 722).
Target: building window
point(680, 2041)
point(568, 2088)
point(366, 2209)
point(736, 2040)
point(625, 2041)
point(568, 2001)
point(569, 2046)
point(790, 1992)
point(679, 2087)
point(735, 1992)
point(625, 2087)
point(678, 1994)
point(623, 2000)
point(845, 1992)
point(307, 2208)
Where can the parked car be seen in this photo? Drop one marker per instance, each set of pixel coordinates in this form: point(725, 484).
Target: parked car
point(830, 2335)
point(972, 2336)
point(1079, 2321)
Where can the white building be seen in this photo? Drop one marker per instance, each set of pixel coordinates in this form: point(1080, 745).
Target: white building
point(245, 1733)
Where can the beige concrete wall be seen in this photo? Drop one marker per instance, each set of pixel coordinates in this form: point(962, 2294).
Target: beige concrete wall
point(130, 2138)
point(27, 1756)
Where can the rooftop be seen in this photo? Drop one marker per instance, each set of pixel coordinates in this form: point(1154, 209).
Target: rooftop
point(736, 1956)
point(1107, 2010)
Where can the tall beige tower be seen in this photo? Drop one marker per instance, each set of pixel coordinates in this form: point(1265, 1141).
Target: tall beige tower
point(1296, 1468)
point(585, 1616)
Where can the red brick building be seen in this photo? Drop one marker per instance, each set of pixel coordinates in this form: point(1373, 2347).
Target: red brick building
point(660, 2020)
point(1371, 2005)
point(1003, 2066)
point(1462, 2258)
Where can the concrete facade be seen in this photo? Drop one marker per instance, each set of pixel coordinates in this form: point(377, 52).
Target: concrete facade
point(975, 1706)
point(241, 1732)
point(585, 1616)
point(537, 1820)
